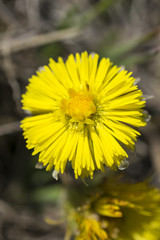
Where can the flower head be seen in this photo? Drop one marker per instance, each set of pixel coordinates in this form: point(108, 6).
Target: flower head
point(84, 112)
point(90, 228)
point(122, 212)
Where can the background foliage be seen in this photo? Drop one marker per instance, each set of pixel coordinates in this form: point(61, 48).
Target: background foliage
point(31, 32)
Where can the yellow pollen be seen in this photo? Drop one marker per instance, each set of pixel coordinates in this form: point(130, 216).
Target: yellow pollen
point(80, 104)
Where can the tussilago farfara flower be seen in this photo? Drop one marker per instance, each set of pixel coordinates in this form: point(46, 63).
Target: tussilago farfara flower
point(84, 112)
point(90, 229)
point(123, 212)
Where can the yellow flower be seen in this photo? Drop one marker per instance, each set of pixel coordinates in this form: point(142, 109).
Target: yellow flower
point(123, 212)
point(132, 211)
point(85, 112)
point(90, 229)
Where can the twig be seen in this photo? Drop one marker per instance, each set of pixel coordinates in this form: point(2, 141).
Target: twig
point(33, 13)
point(9, 128)
point(12, 81)
point(11, 74)
point(20, 43)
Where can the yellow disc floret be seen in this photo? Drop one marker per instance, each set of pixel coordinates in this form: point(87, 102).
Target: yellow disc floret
point(79, 106)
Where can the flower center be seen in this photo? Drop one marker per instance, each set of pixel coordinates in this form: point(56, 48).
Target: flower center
point(80, 104)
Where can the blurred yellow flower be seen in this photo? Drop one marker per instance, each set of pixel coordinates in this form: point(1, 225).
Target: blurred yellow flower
point(90, 229)
point(124, 212)
point(85, 112)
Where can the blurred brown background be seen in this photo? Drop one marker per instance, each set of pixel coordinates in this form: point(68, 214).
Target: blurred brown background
point(32, 31)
